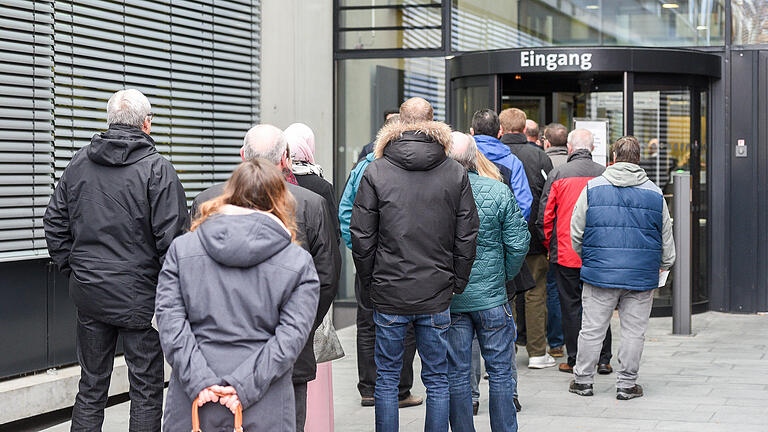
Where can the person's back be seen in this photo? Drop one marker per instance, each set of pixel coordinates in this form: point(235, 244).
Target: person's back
point(555, 138)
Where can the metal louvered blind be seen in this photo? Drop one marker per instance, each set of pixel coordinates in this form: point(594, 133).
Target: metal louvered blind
point(196, 61)
point(26, 115)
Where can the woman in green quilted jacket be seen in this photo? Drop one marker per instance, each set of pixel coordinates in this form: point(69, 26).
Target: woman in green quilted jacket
point(483, 308)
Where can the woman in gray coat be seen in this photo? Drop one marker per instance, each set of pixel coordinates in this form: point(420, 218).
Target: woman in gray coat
point(236, 300)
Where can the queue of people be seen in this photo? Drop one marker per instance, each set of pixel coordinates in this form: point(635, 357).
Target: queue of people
point(238, 285)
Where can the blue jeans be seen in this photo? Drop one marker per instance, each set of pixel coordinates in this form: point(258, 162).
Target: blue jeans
point(554, 314)
point(495, 329)
point(431, 331)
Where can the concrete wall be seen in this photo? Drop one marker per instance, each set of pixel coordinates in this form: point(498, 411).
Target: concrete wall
point(297, 69)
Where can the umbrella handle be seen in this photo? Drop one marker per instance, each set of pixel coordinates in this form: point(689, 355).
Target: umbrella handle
point(196, 417)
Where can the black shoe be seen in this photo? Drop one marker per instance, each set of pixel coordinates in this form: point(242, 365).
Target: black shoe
point(628, 393)
point(367, 401)
point(518, 407)
point(581, 389)
point(475, 407)
point(604, 368)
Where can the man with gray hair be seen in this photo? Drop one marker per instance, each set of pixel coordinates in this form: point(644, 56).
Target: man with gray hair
point(562, 189)
point(110, 221)
point(625, 246)
point(316, 233)
point(483, 309)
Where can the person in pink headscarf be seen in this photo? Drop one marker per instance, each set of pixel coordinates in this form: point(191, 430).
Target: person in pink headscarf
point(309, 175)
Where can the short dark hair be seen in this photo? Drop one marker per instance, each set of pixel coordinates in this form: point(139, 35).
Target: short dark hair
point(556, 134)
point(627, 149)
point(486, 122)
point(389, 112)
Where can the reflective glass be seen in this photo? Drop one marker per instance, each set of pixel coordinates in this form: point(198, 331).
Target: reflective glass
point(748, 18)
point(366, 90)
point(390, 25)
point(489, 24)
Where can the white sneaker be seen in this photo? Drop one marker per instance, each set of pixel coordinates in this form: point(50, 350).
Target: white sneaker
point(541, 362)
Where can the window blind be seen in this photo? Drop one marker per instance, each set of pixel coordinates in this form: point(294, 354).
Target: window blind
point(26, 125)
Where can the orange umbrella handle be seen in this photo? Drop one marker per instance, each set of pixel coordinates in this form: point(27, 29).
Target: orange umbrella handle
point(196, 417)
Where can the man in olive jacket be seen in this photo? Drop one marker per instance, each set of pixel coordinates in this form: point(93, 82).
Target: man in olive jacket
point(115, 212)
point(414, 225)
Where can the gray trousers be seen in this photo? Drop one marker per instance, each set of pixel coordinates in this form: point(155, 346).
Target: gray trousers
point(634, 312)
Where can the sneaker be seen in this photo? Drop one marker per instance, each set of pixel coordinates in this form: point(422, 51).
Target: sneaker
point(541, 362)
point(475, 407)
point(628, 393)
point(411, 400)
point(367, 401)
point(604, 369)
point(557, 351)
point(581, 389)
point(518, 407)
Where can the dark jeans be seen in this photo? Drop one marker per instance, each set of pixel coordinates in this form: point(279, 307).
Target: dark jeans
point(300, 397)
point(569, 284)
point(96, 344)
point(554, 314)
point(366, 342)
point(495, 329)
point(431, 333)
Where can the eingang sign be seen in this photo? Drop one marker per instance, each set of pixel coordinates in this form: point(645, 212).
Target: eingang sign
point(551, 61)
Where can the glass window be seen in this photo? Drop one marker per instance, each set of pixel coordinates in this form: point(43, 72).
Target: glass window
point(366, 90)
point(488, 24)
point(748, 18)
point(383, 25)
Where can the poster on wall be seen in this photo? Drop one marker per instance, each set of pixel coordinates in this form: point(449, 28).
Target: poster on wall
point(599, 129)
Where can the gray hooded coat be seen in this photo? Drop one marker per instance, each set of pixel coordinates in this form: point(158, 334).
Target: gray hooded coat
point(236, 301)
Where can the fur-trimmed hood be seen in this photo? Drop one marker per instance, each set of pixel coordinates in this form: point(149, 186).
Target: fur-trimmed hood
point(414, 146)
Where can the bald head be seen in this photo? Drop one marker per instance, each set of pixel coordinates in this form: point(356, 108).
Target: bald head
point(266, 142)
point(416, 110)
point(464, 150)
point(532, 130)
point(580, 139)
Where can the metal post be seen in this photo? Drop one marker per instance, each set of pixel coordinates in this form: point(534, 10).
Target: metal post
point(681, 287)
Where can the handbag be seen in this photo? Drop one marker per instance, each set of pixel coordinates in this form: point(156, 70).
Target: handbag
point(326, 343)
point(196, 417)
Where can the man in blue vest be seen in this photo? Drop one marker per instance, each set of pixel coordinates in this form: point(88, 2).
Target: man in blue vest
point(622, 231)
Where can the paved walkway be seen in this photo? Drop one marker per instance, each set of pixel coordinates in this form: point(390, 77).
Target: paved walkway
point(716, 380)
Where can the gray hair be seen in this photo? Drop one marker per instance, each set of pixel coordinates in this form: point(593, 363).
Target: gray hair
point(468, 157)
point(128, 107)
point(265, 142)
point(581, 139)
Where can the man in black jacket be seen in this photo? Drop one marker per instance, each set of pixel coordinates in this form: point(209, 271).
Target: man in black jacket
point(414, 225)
point(115, 211)
point(537, 166)
point(317, 234)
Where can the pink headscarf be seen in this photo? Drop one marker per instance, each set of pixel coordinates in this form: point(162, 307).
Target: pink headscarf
point(301, 141)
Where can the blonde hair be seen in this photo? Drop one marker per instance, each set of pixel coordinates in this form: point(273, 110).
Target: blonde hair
point(256, 184)
point(512, 120)
point(486, 168)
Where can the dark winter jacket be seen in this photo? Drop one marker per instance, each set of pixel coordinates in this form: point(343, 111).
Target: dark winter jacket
point(564, 184)
point(414, 222)
point(537, 167)
point(316, 234)
point(114, 213)
point(502, 242)
point(235, 305)
point(322, 187)
point(558, 155)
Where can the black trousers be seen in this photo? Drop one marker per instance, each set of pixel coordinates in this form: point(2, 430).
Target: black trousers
point(96, 344)
point(366, 343)
point(300, 397)
point(569, 286)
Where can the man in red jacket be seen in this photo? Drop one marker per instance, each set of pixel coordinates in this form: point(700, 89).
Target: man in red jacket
point(561, 191)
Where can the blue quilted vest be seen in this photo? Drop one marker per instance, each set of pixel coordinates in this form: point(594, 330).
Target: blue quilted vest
point(622, 242)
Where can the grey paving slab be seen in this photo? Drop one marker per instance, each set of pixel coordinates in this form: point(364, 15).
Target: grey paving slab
point(714, 381)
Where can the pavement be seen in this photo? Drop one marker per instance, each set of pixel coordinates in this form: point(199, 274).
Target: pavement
point(715, 380)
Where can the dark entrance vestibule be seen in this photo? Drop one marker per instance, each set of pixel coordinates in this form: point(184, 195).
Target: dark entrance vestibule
point(661, 96)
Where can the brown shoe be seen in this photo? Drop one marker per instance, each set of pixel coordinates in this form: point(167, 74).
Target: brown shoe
point(565, 367)
point(410, 401)
point(604, 369)
point(367, 401)
point(557, 352)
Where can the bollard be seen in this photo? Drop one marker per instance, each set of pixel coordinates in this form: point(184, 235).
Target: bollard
point(681, 286)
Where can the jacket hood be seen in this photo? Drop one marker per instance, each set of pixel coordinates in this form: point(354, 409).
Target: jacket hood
point(414, 146)
point(120, 145)
point(625, 174)
point(514, 138)
point(557, 150)
point(580, 154)
point(492, 148)
point(242, 240)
